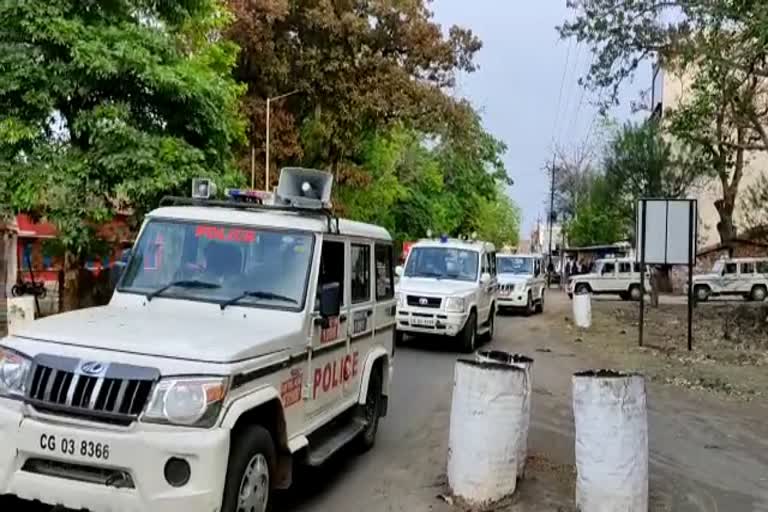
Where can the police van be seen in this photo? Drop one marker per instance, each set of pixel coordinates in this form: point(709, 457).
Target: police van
point(448, 287)
point(245, 336)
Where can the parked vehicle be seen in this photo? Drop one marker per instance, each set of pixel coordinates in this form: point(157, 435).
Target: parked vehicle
point(611, 276)
point(522, 282)
point(242, 339)
point(448, 288)
point(745, 277)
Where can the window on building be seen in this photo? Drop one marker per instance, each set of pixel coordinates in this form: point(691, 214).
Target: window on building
point(361, 273)
point(385, 280)
point(331, 266)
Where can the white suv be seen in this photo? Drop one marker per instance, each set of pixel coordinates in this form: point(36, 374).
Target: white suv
point(242, 339)
point(611, 276)
point(745, 277)
point(522, 284)
point(449, 288)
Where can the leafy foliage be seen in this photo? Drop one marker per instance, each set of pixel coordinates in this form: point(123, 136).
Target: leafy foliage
point(718, 48)
point(106, 106)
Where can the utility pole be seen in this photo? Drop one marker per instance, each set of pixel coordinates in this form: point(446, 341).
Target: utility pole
point(551, 215)
point(266, 152)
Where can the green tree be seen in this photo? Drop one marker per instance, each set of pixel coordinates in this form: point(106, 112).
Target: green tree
point(718, 47)
point(106, 106)
point(597, 219)
point(498, 221)
point(361, 67)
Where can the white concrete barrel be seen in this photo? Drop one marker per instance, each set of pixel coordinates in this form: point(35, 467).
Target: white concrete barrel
point(582, 310)
point(526, 363)
point(21, 311)
point(487, 414)
point(611, 420)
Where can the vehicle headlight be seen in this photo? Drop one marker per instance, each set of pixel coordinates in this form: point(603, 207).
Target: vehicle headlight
point(400, 298)
point(14, 370)
point(191, 402)
point(455, 304)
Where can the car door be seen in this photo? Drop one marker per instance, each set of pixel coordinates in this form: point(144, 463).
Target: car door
point(730, 278)
point(485, 293)
point(361, 322)
point(624, 276)
point(606, 278)
point(328, 349)
point(746, 277)
point(538, 278)
point(384, 315)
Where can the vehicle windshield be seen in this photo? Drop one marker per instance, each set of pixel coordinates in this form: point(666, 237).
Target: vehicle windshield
point(220, 263)
point(442, 263)
point(718, 267)
point(514, 265)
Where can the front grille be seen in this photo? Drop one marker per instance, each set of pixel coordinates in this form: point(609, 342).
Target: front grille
point(117, 394)
point(80, 472)
point(424, 302)
point(506, 288)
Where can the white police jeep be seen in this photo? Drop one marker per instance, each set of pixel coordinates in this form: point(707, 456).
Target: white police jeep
point(522, 284)
point(449, 288)
point(242, 338)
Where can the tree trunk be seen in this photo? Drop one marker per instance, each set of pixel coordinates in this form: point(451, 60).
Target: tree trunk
point(725, 227)
point(71, 292)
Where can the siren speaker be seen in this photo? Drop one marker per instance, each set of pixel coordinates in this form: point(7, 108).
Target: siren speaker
point(203, 188)
point(305, 188)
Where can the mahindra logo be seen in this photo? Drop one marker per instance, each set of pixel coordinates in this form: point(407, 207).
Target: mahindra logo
point(423, 301)
point(92, 368)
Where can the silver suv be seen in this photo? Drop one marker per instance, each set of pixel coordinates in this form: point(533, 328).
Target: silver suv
point(745, 277)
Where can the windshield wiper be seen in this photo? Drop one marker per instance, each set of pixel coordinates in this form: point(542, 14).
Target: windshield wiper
point(257, 294)
point(183, 283)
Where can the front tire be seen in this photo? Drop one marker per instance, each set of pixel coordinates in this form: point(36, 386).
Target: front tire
point(250, 472)
point(491, 325)
point(468, 336)
point(635, 293)
point(702, 293)
point(530, 307)
point(371, 411)
point(540, 305)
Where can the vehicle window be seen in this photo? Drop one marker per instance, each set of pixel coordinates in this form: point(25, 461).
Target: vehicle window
point(537, 268)
point(762, 267)
point(485, 267)
point(516, 265)
point(385, 288)
point(223, 261)
point(608, 268)
point(730, 268)
point(636, 267)
point(331, 266)
point(443, 263)
point(747, 268)
point(625, 267)
point(361, 273)
point(492, 261)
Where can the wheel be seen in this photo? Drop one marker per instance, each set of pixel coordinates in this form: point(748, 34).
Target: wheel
point(250, 471)
point(702, 293)
point(371, 411)
point(488, 336)
point(624, 296)
point(530, 308)
point(635, 293)
point(582, 288)
point(540, 304)
point(17, 291)
point(468, 335)
point(758, 293)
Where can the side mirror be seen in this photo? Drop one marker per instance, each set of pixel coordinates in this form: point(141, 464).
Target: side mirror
point(485, 278)
point(399, 270)
point(330, 300)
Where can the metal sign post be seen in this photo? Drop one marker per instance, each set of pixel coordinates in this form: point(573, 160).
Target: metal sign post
point(666, 235)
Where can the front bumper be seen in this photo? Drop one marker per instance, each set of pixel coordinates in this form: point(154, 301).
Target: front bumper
point(140, 452)
point(515, 299)
point(430, 321)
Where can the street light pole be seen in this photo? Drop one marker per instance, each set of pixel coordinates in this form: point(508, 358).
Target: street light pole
point(551, 211)
point(266, 152)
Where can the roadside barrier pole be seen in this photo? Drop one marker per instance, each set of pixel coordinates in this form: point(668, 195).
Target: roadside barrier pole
point(611, 420)
point(487, 420)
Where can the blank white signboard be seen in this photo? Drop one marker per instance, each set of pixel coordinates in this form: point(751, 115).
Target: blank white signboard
point(668, 236)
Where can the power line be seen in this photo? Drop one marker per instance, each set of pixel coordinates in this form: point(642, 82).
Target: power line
point(562, 84)
point(572, 82)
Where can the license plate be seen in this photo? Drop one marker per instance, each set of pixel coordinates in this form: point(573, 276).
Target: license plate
point(74, 447)
point(422, 322)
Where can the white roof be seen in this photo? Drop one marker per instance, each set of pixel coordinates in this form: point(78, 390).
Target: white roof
point(454, 243)
point(264, 218)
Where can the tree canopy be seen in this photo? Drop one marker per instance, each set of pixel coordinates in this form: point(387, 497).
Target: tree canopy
point(108, 105)
point(717, 48)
